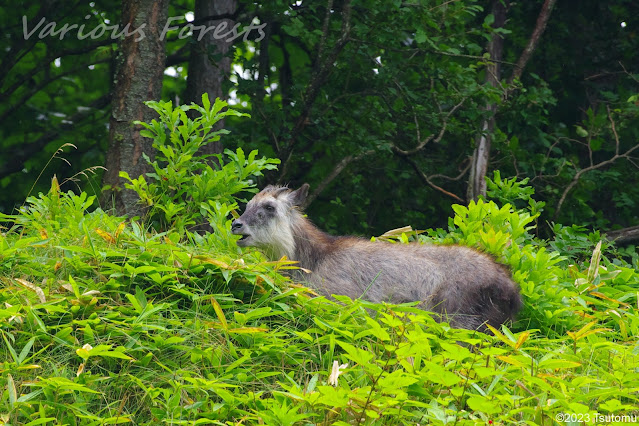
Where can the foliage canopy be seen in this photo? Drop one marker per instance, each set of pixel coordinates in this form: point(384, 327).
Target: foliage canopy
point(339, 90)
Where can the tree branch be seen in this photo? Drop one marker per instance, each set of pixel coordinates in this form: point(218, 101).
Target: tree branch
point(438, 139)
point(327, 20)
point(540, 27)
point(430, 183)
point(415, 51)
point(333, 174)
point(408, 154)
point(592, 167)
point(624, 235)
point(313, 89)
point(456, 178)
point(324, 68)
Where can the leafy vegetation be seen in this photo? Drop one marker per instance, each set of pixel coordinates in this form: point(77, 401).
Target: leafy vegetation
point(184, 187)
point(106, 320)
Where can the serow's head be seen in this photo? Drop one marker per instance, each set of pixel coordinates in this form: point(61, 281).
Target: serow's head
point(269, 219)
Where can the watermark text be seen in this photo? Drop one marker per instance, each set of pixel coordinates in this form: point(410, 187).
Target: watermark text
point(221, 31)
point(598, 418)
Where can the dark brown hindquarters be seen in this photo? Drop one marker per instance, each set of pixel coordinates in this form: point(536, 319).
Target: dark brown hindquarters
point(499, 304)
point(496, 302)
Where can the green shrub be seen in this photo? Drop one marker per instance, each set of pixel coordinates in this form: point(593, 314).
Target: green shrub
point(185, 188)
point(105, 320)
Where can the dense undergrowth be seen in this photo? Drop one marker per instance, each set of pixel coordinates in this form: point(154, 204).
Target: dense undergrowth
point(106, 320)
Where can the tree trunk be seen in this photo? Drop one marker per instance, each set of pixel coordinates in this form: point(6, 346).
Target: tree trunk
point(481, 156)
point(139, 69)
point(210, 63)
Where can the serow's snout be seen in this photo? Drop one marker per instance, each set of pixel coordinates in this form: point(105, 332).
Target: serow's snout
point(238, 228)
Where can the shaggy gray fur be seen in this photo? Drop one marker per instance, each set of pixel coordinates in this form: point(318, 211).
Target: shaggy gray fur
point(464, 286)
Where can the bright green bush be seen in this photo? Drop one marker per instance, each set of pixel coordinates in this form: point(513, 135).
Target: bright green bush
point(105, 320)
point(185, 188)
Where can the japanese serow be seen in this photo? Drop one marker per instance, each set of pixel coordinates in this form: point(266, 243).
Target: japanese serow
point(463, 286)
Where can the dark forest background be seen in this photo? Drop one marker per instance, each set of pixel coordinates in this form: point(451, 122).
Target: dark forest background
point(391, 110)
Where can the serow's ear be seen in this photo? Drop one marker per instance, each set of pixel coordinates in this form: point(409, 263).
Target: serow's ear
point(298, 197)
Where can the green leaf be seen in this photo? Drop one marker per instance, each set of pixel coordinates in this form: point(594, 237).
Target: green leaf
point(206, 104)
point(41, 421)
point(581, 131)
point(420, 36)
point(357, 355)
point(64, 384)
point(484, 404)
point(25, 350)
point(11, 389)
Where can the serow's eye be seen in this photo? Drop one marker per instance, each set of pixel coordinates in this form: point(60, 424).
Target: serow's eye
point(269, 208)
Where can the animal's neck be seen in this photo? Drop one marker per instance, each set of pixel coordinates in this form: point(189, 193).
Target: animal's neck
point(311, 245)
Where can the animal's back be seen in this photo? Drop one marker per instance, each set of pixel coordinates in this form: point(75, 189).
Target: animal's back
point(467, 286)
